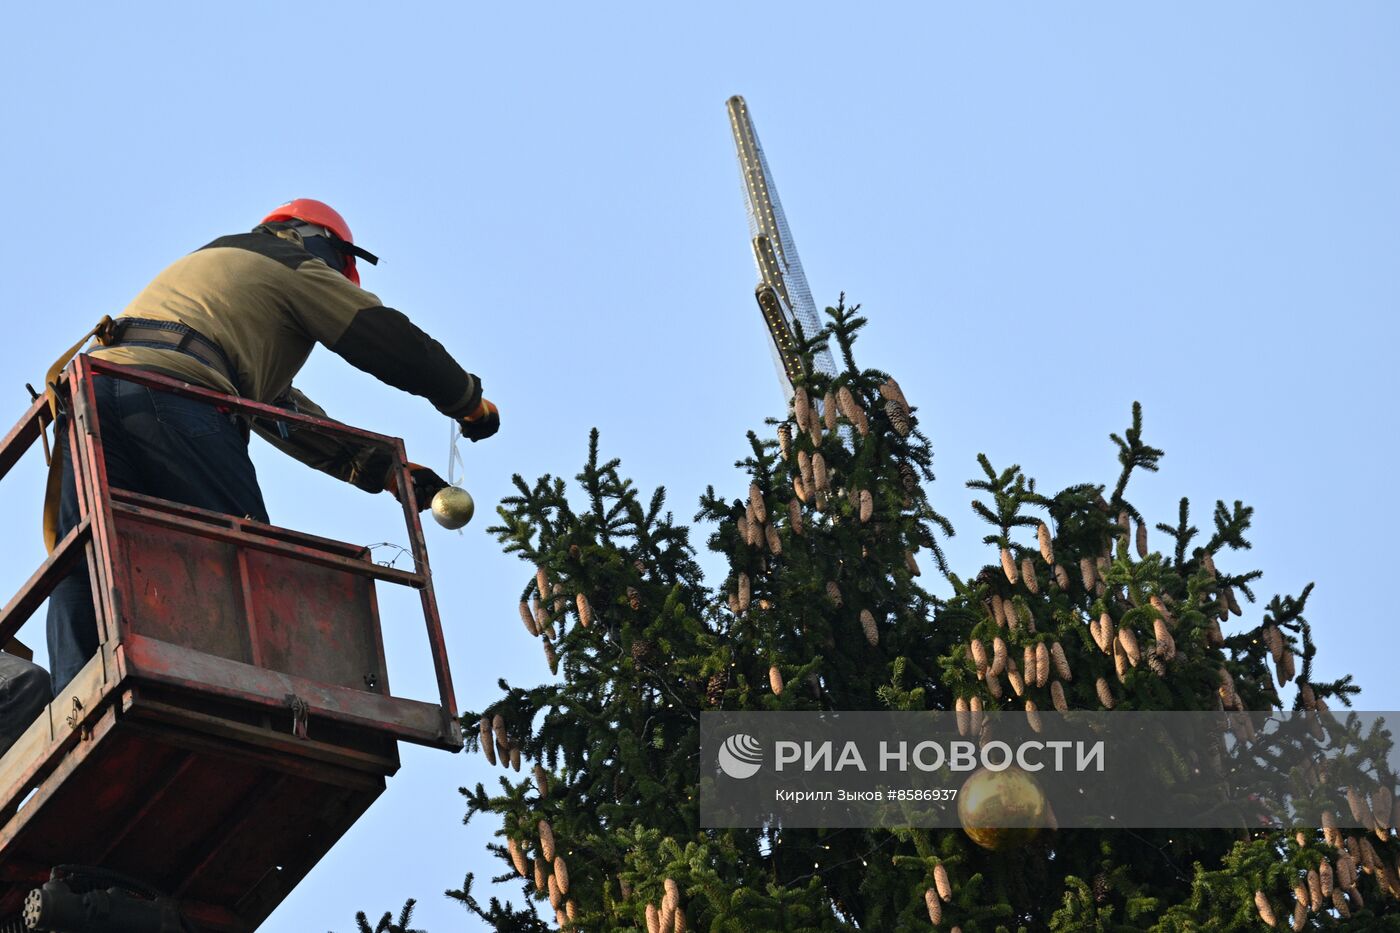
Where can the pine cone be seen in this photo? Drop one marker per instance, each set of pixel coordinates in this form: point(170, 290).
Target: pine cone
point(1028, 576)
point(1360, 812)
point(1231, 602)
point(912, 564)
point(961, 710)
point(852, 410)
point(998, 664)
point(829, 411)
point(833, 593)
point(819, 473)
point(1008, 566)
point(979, 655)
point(1029, 664)
point(994, 605)
point(1383, 805)
point(1100, 888)
point(775, 543)
point(1228, 697)
point(1128, 639)
point(907, 477)
point(889, 389)
point(1161, 608)
point(561, 874)
point(1266, 910)
point(934, 905)
point(867, 505)
point(1106, 633)
point(550, 657)
point(1214, 636)
point(715, 687)
point(561, 601)
point(756, 503)
point(801, 408)
point(585, 611)
point(1208, 562)
point(1057, 697)
point(542, 583)
point(517, 857)
point(488, 747)
point(899, 417)
point(653, 919)
point(942, 882)
point(498, 728)
point(1033, 716)
point(1339, 903)
point(814, 430)
point(795, 516)
point(1120, 662)
point(1042, 664)
point(514, 757)
point(1047, 547)
point(846, 403)
point(745, 592)
point(541, 879)
point(1156, 664)
point(1166, 645)
point(1013, 677)
point(872, 631)
point(541, 782)
point(1142, 539)
point(1086, 572)
point(775, 680)
point(546, 840)
point(1105, 693)
point(993, 686)
point(1314, 889)
point(528, 619)
point(821, 502)
point(800, 489)
point(785, 440)
point(642, 649)
point(1061, 663)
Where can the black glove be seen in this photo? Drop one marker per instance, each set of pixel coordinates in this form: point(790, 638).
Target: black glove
point(481, 423)
point(426, 484)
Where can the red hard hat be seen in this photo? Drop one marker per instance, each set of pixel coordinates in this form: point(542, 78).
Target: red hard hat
point(311, 211)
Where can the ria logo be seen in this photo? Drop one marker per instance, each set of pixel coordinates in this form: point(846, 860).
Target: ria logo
point(740, 756)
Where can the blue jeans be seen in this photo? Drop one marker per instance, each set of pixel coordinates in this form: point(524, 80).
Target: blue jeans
point(24, 692)
point(156, 444)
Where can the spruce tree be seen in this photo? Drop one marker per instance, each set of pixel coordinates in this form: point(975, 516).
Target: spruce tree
point(1085, 604)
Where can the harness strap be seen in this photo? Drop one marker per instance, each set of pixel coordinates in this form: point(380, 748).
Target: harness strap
point(53, 486)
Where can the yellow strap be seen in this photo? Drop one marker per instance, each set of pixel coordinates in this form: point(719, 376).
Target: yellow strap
point(53, 488)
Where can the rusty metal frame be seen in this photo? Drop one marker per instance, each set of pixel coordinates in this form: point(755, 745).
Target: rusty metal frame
point(94, 537)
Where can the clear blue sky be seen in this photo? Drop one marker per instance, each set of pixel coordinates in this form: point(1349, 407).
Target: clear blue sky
point(1047, 210)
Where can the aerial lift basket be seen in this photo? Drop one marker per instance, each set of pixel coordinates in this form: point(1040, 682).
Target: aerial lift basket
point(237, 719)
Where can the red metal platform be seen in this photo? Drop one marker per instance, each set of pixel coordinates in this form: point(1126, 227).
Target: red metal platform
point(237, 719)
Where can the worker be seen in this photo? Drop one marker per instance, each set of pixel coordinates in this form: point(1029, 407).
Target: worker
point(24, 692)
point(241, 316)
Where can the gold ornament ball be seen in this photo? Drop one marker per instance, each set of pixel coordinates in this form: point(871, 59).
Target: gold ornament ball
point(1001, 810)
point(453, 507)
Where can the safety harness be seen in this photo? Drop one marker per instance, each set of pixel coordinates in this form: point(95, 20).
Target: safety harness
point(122, 331)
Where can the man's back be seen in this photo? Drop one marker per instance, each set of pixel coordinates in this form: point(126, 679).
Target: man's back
point(265, 301)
